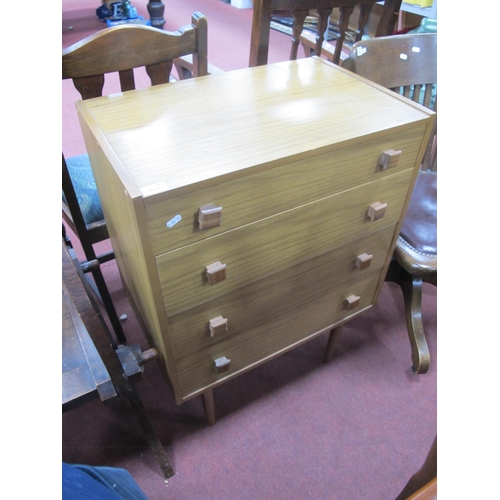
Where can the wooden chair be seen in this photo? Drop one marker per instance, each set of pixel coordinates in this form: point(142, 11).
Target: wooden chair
point(118, 49)
point(299, 9)
point(408, 65)
point(91, 366)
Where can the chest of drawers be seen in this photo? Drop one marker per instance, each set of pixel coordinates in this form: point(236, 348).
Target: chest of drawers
point(254, 210)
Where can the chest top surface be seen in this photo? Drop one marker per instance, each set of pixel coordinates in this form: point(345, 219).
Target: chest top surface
point(164, 139)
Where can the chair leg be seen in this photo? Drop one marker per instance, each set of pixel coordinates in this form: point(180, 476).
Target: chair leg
point(150, 433)
point(101, 289)
point(108, 305)
point(412, 293)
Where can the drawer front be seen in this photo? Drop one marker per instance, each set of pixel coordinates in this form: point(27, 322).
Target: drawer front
point(253, 197)
point(271, 245)
point(277, 295)
point(269, 339)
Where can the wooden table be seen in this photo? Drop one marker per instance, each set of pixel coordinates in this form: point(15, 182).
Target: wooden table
point(253, 210)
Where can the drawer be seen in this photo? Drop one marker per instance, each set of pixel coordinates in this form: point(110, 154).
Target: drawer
point(253, 197)
point(277, 295)
point(274, 337)
point(266, 247)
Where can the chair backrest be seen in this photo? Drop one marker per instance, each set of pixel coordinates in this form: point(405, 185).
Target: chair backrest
point(121, 49)
point(118, 49)
point(406, 64)
point(126, 47)
point(300, 9)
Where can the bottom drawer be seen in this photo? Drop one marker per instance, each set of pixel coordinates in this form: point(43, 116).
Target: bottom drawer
point(256, 345)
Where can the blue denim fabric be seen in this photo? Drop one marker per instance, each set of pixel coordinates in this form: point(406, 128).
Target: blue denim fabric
point(85, 482)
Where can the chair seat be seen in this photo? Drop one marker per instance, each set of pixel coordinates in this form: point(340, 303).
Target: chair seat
point(416, 249)
point(85, 187)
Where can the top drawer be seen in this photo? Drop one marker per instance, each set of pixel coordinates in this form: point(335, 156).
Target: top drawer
point(173, 223)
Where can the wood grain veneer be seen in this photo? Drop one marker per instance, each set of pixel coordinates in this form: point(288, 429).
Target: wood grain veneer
point(256, 250)
point(252, 197)
point(290, 152)
point(277, 295)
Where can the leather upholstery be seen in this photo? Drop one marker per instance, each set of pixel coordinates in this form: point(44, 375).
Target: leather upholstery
point(416, 249)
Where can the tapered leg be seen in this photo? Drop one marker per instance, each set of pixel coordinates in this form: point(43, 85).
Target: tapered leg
point(333, 340)
point(412, 293)
point(208, 404)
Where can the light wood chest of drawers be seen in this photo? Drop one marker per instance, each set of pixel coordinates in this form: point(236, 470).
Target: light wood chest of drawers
point(282, 164)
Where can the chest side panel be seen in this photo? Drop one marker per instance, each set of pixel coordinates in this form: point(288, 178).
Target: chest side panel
point(126, 223)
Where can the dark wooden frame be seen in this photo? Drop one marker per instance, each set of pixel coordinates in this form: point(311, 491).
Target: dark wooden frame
point(89, 350)
point(263, 9)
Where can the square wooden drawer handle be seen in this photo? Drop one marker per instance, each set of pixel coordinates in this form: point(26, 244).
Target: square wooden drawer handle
point(389, 158)
point(351, 302)
point(217, 326)
point(209, 216)
point(363, 261)
point(222, 364)
point(216, 272)
point(376, 210)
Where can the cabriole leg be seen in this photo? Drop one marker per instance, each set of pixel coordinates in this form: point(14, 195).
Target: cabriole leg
point(412, 293)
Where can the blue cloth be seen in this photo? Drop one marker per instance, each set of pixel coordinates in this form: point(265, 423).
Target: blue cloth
point(82, 177)
point(85, 482)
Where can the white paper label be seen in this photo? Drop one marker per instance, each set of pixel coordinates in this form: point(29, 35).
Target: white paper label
point(159, 187)
point(360, 50)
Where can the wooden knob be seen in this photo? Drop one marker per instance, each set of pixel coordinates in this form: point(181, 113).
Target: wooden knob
point(389, 158)
point(363, 261)
point(209, 216)
point(222, 364)
point(376, 210)
point(351, 302)
point(216, 272)
point(217, 326)
point(147, 355)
